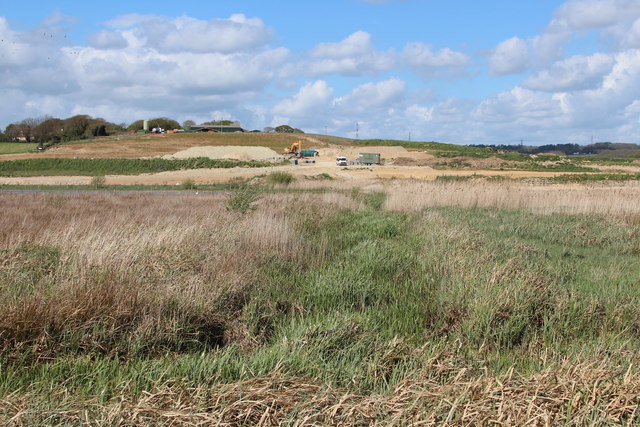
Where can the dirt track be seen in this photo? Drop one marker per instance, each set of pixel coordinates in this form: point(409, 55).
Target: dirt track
point(209, 176)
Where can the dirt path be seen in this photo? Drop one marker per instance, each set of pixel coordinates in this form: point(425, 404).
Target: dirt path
point(211, 176)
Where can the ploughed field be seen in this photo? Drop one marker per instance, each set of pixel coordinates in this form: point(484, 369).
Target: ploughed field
point(388, 303)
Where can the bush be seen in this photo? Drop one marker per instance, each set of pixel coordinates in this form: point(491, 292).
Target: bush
point(188, 184)
point(243, 200)
point(283, 178)
point(98, 181)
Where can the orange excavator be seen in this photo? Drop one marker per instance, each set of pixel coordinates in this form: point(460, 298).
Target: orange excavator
point(294, 150)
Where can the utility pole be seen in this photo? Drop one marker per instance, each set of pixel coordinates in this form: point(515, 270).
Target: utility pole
point(357, 130)
point(409, 136)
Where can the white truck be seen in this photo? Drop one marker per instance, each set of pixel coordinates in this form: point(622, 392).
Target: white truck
point(341, 161)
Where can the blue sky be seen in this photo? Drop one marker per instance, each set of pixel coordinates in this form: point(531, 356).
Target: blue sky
point(546, 71)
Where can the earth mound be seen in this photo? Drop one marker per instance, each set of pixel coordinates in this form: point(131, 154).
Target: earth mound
point(225, 152)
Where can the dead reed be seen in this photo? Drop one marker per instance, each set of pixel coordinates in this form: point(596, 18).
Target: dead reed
point(441, 394)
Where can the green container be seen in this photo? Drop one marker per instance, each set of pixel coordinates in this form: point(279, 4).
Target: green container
point(369, 158)
point(309, 153)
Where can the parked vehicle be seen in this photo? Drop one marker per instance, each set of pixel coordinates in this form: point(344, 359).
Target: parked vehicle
point(369, 158)
point(341, 161)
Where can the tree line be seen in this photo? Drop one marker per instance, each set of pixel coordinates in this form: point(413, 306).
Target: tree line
point(50, 130)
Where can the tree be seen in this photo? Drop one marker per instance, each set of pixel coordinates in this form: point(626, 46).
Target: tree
point(284, 129)
point(25, 127)
point(76, 126)
point(164, 123)
point(221, 123)
point(135, 126)
point(188, 124)
point(50, 130)
point(269, 129)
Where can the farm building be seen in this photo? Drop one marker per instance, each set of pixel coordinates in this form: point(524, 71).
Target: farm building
point(217, 128)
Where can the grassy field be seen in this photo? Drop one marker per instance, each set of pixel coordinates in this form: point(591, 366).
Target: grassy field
point(328, 308)
point(93, 167)
point(15, 147)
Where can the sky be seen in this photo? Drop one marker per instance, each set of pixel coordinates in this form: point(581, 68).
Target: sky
point(458, 71)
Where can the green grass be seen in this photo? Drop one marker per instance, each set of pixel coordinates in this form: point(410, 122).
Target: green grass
point(93, 167)
point(383, 295)
point(17, 147)
point(596, 177)
point(563, 166)
point(463, 149)
point(280, 178)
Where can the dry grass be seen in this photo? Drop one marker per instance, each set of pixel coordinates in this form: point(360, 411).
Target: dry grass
point(442, 394)
point(139, 265)
point(618, 200)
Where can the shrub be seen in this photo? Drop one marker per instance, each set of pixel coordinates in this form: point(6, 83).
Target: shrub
point(98, 181)
point(188, 184)
point(283, 178)
point(243, 200)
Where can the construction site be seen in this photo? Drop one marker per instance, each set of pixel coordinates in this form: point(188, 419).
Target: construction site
point(299, 155)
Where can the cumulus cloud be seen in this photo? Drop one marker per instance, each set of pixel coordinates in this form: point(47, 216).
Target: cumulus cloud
point(576, 73)
point(352, 56)
point(424, 60)
point(311, 101)
point(107, 40)
point(131, 63)
point(186, 34)
point(511, 56)
point(577, 15)
point(371, 96)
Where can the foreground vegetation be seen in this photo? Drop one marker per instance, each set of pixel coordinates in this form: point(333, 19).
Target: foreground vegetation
point(129, 309)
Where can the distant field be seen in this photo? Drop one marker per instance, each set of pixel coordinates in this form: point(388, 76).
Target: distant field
point(16, 147)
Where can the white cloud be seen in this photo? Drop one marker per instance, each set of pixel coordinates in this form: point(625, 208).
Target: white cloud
point(310, 102)
point(357, 44)
point(511, 56)
point(577, 15)
point(371, 96)
point(186, 34)
point(352, 56)
point(107, 40)
point(427, 62)
point(130, 65)
point(576, 73)
point(519, 106)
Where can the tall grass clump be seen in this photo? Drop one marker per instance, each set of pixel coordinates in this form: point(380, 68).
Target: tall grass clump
point(243, 199)
point(98, 181)
point(280, 178)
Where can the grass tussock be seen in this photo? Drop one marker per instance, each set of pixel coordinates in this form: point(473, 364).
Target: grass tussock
point(316, 308)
